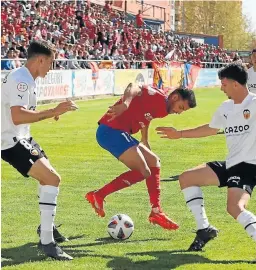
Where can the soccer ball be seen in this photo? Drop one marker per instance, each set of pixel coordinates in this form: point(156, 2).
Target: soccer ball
point(120, 227)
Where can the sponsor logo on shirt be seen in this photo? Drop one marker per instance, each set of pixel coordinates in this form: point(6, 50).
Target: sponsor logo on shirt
point(247, 114)
point(236, 129)
point(142, 124)
point(252, 86)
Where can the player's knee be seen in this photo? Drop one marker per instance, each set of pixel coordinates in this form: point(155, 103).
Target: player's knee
point(234, 209)
point(146, 172)
point(158, 162)
point(55, 179)
point(183, 180)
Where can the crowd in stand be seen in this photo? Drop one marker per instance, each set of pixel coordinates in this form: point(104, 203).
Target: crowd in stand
point(85, 31)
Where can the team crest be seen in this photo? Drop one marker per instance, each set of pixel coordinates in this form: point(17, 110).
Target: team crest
point(247, 114)
point(148, 116)
point(34, 152)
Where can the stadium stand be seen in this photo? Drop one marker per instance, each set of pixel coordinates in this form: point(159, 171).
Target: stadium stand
point(87, 31)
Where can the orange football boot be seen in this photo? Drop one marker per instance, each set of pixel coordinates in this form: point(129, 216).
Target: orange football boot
point(96, 202)
point(158, 217)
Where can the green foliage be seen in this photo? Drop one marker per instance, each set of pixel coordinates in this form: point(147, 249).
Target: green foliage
point(220, 18)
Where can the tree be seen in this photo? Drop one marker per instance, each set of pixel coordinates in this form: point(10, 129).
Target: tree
point(219, 18)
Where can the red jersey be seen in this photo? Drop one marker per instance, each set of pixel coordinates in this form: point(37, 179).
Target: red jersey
point(151, 104)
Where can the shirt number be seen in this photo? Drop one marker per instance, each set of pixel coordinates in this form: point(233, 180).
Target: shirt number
point(127, 136)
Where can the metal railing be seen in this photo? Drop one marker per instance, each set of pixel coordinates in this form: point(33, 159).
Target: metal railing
point(117, 64)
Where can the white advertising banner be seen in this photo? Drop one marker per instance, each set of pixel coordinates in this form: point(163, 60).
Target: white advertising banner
point(56, 84)
point(104, 85)
point(84, 85)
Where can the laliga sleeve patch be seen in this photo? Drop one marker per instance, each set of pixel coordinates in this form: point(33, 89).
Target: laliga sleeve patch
point(151, 91)
point(22, 87)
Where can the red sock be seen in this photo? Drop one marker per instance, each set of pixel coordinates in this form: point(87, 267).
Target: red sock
point(122, 181)
point(153, 185)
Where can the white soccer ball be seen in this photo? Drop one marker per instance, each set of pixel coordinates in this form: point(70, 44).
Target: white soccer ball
point(120, 227)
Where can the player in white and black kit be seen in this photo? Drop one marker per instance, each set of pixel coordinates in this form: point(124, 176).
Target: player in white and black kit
point(237, 117)
point(251, 83)
point(19, 149)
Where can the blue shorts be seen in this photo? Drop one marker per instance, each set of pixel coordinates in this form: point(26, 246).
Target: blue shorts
point(115, 141)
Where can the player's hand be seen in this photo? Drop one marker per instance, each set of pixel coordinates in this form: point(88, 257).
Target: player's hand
point(56, 117)
point(168, 133)
point(116, 110)
point(64, 107)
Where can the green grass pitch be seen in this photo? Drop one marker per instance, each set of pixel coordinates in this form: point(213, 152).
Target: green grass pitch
point(71, 146)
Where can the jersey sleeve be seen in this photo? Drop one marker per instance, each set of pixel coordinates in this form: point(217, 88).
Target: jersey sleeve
point(19, 92)
point(253, 107)
point(217, 119)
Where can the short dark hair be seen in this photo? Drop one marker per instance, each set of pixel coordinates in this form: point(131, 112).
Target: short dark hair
point(186, 94)
point(234, 72)
point(40, 47)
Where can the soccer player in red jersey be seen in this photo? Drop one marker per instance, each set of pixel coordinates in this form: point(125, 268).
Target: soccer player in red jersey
point(133, 113)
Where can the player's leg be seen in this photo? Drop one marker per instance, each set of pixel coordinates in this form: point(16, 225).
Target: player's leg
point(190, 182)
point(30, 160)
point(153, 185)
point(58, 237)
point(49, 180)
point(236, 207)
point(241, 182)
point(125, 148)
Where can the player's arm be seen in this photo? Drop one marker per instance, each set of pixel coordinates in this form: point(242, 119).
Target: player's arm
point(21, 115)
point(198, 132)
point(129, 93)
point(144, 136)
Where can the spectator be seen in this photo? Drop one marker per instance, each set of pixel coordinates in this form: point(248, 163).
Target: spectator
point(139, 20)
point(73, 64)
point(8, 64)
point(16, 58)
point(99, 30)
point(4, 49)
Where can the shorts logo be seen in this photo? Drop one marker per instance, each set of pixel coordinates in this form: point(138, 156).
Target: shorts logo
point(247, 114)
point(34, 152)
point(234, 179)
point(23, 87)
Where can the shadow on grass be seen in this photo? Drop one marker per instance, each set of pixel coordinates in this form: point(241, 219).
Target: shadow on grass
point(29, 252)
point(109, 240)
point(161, 259)
point(164, 260)
point(171, 178)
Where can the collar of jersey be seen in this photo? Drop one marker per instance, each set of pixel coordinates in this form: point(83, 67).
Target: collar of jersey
point(31, 78)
